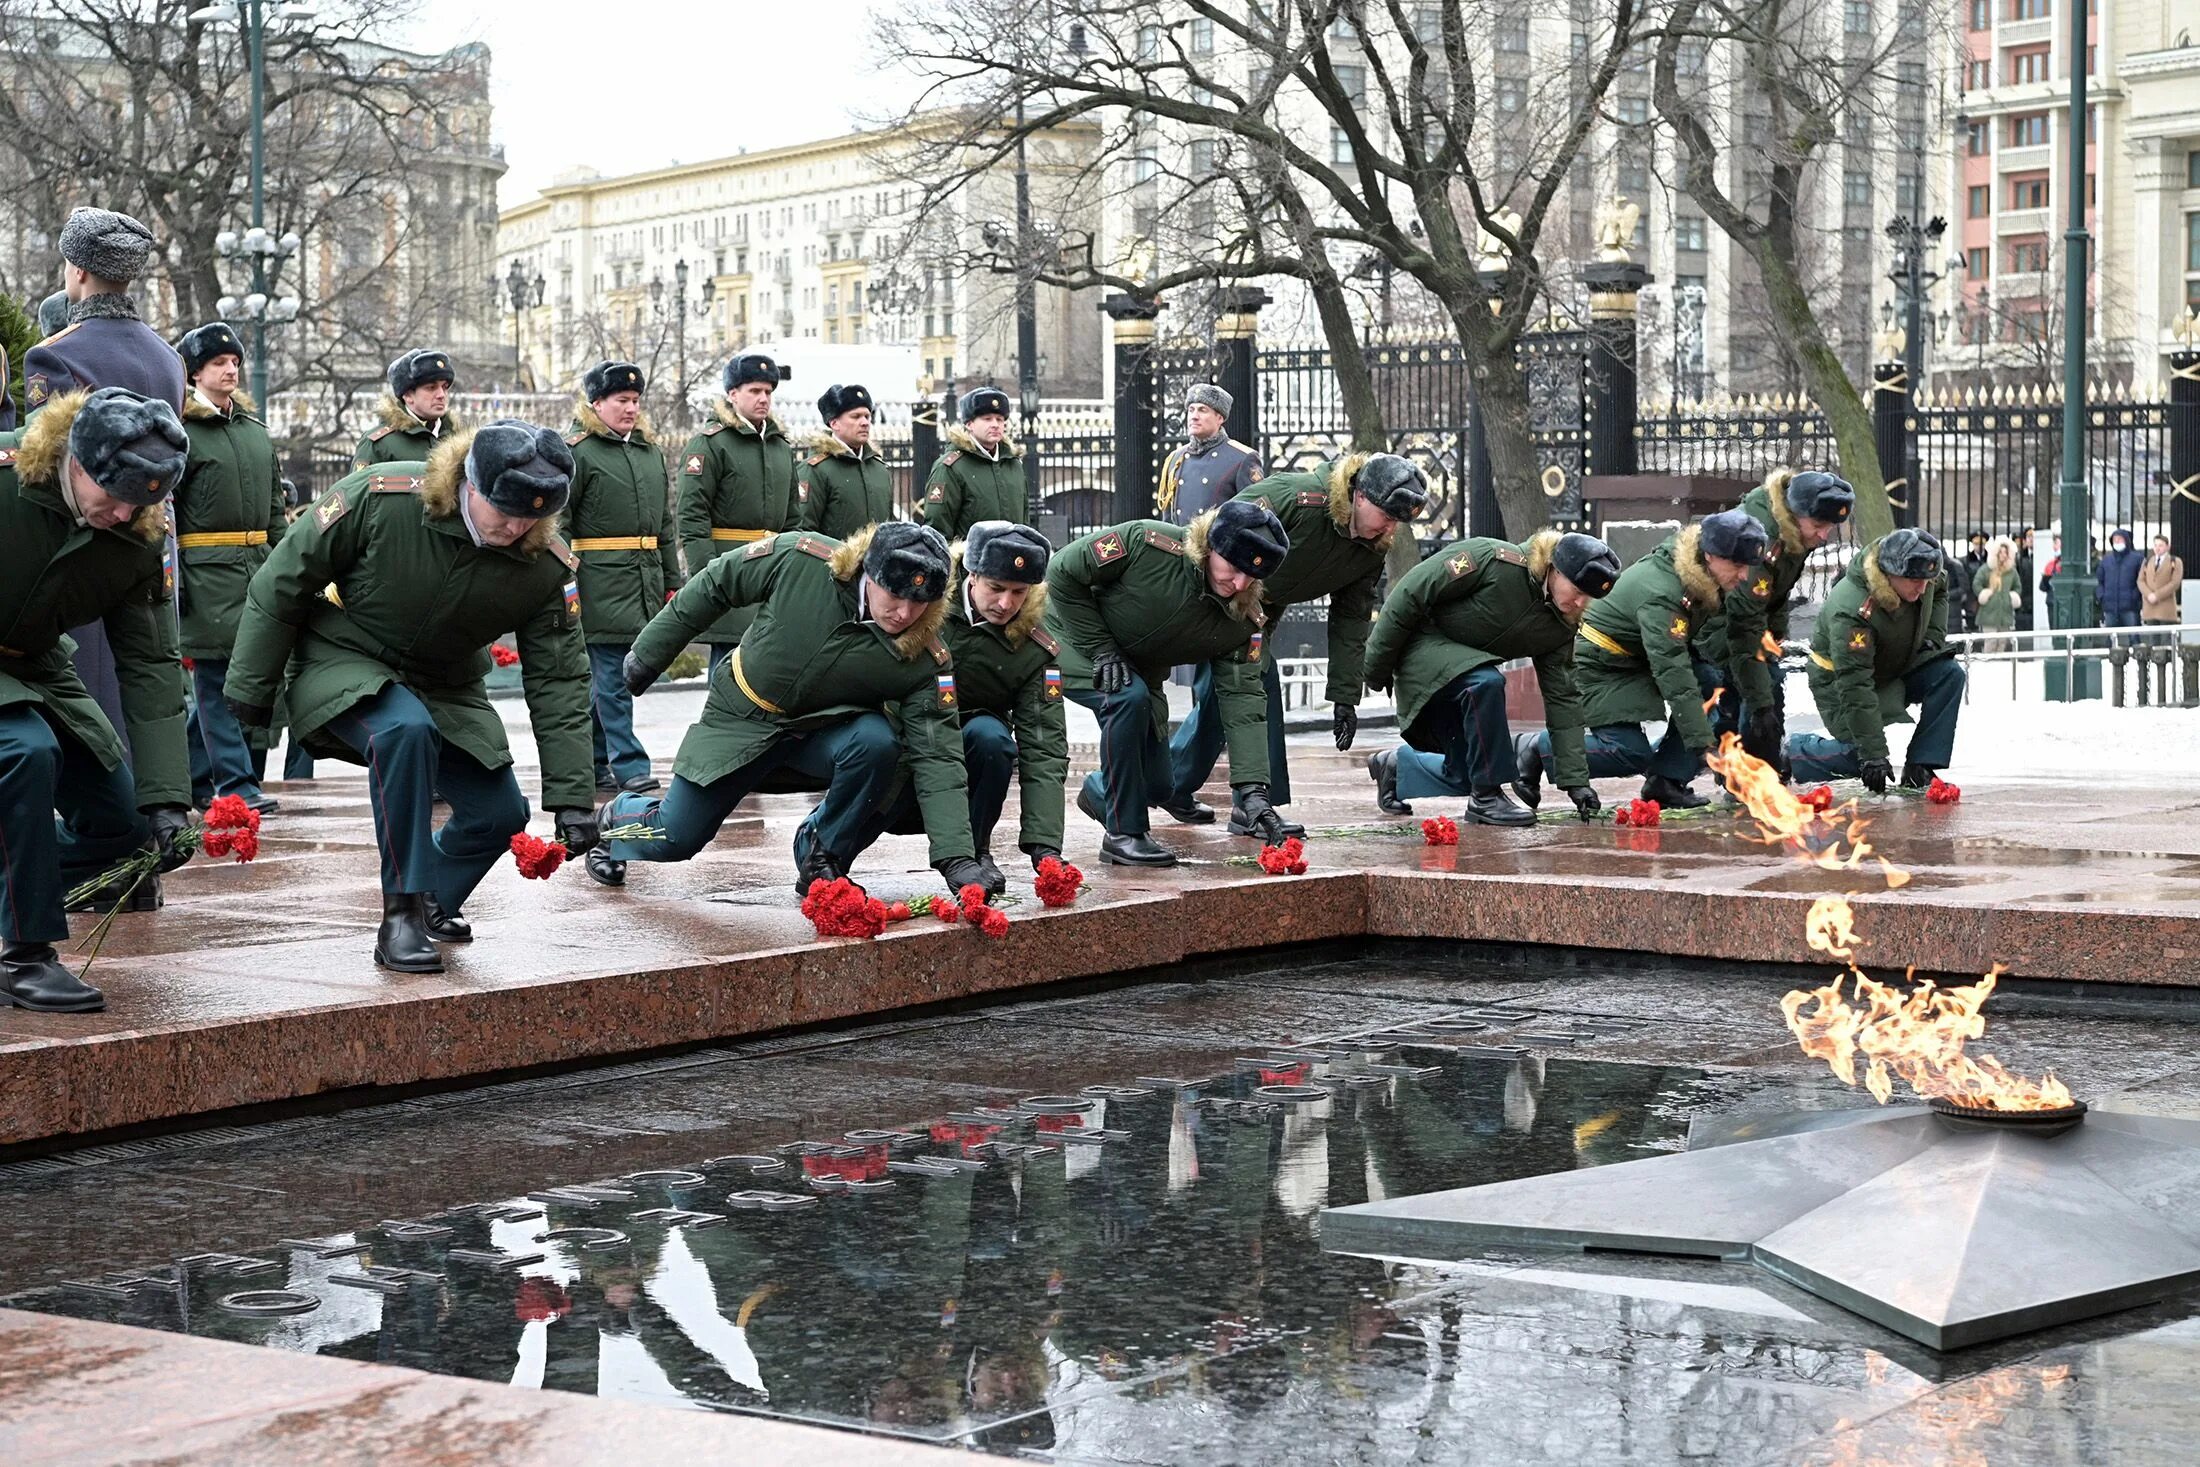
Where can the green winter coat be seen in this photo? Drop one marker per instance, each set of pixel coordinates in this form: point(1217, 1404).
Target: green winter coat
point(1003, 671)
point(619, 493)
point(734, 476)
point(233, 484)
point(839, 491)
point(1140, 588)
point(1997, 608)
point(417, 603)
point(1324, 560)
point(1866, 641)
point(402, 438)
point(807, 663)
point(1662, 602)
point(1760, 603)
point(55, 574)
point(1474, 604)
point(968, 485)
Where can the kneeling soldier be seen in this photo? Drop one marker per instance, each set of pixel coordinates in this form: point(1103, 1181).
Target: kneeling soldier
point(1633, 665)
point(1008, 691)
point(415, 411)
point(1447, 629)
point(1129, 602)
point(228, 512)
point(82, 537)
point(845, 641)
point(843, 484)
point(1880, 645)
point(615, 522)
point(430, 563)
point(981, 477)
point(1340, 517)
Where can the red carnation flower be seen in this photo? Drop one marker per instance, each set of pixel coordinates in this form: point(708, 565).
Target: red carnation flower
point(537, 859)
point(1288, 859)
point(1440, 831)
point(502, 655)
point(1058, 882)
point(1940, 792)
point(1819, 799)
point(947, 911)
point(994, 923)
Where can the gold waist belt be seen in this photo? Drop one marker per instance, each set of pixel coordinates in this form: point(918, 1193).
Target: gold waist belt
point(617, 542)
point(202, 539)
point(750, 693)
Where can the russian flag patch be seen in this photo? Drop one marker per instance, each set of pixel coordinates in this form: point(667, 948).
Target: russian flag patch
point(572, 598)
point(1252, 653)
point(946, 684)
point(1054, 684)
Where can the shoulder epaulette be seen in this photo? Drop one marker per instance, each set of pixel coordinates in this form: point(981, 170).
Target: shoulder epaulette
point(713, 429)
point(564, 552)
point(1461, 564)
point(64, 331)
point(817, 458)
point(1160, 541)
point(1242, 447)
point(574, 440)
point(380, 433)
point(761, 548)
point(1511, 556)
point(823, 550)
point(939, 651)
point(394, 484)
point(1045, 639)
point(950, 457)
point(1312, 496)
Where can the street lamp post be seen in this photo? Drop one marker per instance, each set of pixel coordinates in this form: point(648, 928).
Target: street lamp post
point(2074, 605)
point(522, 292)
point(680, 288)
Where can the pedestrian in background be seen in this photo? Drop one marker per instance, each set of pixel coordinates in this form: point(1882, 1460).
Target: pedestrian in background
point(2161, 585)
point(2116, 579)
point(1997, 591)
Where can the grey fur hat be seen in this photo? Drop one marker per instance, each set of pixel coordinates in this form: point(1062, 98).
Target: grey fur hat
point(980, 401)
point(1393, 485)
point(1247, 534)
point(103, 243)
point(1586, 561)
point(1818, 495)
point(133, 446)
point(909, 560)
point(1734, 534)
point(1001, 551)
point(53, 312)
point(1911, 554)
point(1208, 394)
point(418, 368)
point(838, 399)
point(522, 470)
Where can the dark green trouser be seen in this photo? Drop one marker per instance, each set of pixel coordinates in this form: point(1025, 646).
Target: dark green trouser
point(45, 774)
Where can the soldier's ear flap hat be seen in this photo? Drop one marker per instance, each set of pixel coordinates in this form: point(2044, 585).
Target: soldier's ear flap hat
point(753, 366)
point(1588, 562)
point(1001, 551)
point(909, 560)
point(522, 470)
point(982, 401)
point(839, 399)
point(1207, 394)
point(1249, 536)
point(133, 446)
point(103, 243)
point(606, 378)
point(200, 346)
point(1818, 495)
point(1734, 534)
point(1914, 555)
point(418, 369)
point(1393, 485)
point(53, 312)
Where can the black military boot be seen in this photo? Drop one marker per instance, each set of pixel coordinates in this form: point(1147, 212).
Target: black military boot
point(1193, 811)
point(443, 926)
point(1382, 767)
point(1669, 795)
point(146, 898)
point(31, 977)
point(1090, 808)
point(812, 862)
point(1528, 757)
point(602, 869)
point(402, 944)
point(1493, 806)
point(1917, 776)
point(1134, 850)
point(641, 784)
point(263, 803)
point(1240, 826)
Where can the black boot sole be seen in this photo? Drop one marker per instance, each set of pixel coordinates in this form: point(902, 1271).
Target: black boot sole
point(1473, 819)
point(97, 1006)
point(383, 960)
point(1187, 815)
point(1292, 830)
point(1110, 860)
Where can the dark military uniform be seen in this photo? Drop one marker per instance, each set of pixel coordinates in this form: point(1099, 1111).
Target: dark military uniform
point(1734, 643)
point(736, 487)
point(817, 695)
point(228, 514)
point(1872, 654)
point(59, 755)
point(390, 671)
point(1316, 510)
point(1446, 630)
point(104, 345)
point(1200, 474)
point(615, 523)
point(970, 483)
point(1141, 589)
point(839, 491)
point(402, 438)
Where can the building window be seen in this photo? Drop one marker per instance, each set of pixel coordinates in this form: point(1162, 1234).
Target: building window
point(1340, 147)
point(2192, 169)
point(2028, 191)
point(1512, 35)
point(1977, 137)
point(1149, 49)
point(1980, 202)
point(2028, 256)
point(1976, 262)
point(1512, 96)
point(2028, 9)
point(1352, 81)
point(1977, 75)
point(1634, 178)
point(2192, 259)
point(2028, 130)
point(1908, 197)
point(1856, 17)
point(1143, 168)
point(1856, 188)
point(1203, 157)
point(1428, 24)
point(1203, 38)
point(1688, 233)
point(2028, 65)
point(1982, 14)
point(1634, 111)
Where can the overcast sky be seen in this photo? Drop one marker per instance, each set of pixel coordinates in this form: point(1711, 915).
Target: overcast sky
point(644, 83)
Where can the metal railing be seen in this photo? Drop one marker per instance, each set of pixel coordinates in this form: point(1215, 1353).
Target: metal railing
point(2139, 660)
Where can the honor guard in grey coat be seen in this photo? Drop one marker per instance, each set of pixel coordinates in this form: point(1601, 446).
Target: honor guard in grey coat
point(1211, 466)
point(104, 344)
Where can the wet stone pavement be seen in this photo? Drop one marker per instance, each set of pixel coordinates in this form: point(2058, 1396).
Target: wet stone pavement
point(1085, 1228)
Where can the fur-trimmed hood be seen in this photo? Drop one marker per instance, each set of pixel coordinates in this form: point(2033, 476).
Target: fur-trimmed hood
point(1245, 605)
point(45, 448)
point(589, 421)
point(1341, 474)
point(396, 415)
point(958, 437)
point(1783, 518)
point(1882, 590)
point(439, 491)
point(196, 409)
point(1696, 578)
point(827, 443)
point(1539, 548)
point(848, 565)
point(725, 413)
point(1020, 625)
point(1994, 547)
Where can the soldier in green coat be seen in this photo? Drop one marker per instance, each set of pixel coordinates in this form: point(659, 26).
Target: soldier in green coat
point(1008, 693)
point(228, 512)
point(840, 678)
point(1633, 664)
point(1128, 603)
point(429, 563)
point(1800, 511)
point(415, 411)
point(843, 484)
point(1340, 517)
point(981, 477)
point(83, 536)
point(1449, 626)
point(1880, 645)
point(736, 484)
point(615, 522)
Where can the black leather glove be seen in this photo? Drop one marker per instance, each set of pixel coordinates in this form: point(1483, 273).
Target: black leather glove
point(578, 830)
point(1040, 853)
point(1344, 722)
point(1111, 673)
point(961, 871)
point(1586, 803)
point(1876, 774)
point(170, 825)
point(638, 675)
point(1259, 814)
point(251, 715)
point(1764, 737)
